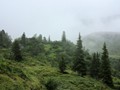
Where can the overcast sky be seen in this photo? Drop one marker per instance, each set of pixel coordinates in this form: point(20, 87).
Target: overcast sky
point(51, 17)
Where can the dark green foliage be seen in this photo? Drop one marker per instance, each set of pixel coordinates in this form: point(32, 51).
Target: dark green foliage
point(34, 46)
point(95, 66)
point(62, 65)
point(49, 40)
point(39, 38)
point(69, 49)
point(105, 68)
point(118, 65)
point(64, 37)
point(23, 39)
point(44, 40)
point(54, 49)
point(51, 84)
point(79, 63)
point(115, 65)
point(5, 40)
point(16, 51)
point(42, 58)
point(88, 59)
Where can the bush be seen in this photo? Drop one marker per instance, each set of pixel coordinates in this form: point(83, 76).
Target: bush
point(51, 84)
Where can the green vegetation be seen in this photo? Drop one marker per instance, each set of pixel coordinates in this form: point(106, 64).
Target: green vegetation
point(34, 74)
point(38, 63)
point(16, 51)
point(64, 37)
point(105, 68)
point(5, 40)
point(79, 64)
point(51, 84)
point(95, 66)
point(62, 65)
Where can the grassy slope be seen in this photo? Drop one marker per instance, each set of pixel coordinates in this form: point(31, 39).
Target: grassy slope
point(32, 74)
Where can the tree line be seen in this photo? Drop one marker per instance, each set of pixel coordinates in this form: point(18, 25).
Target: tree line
point(99, 67)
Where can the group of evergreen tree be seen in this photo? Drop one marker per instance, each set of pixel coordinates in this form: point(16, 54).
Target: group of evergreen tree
point(99, 70)
point(100, 67)
point(95, 66)
point(5, 39)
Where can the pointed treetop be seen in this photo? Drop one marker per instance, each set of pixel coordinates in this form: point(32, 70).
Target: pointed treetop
point(79, 36)
point(23, 35)
point(104, 45)
point(79, 42)
point(105, 48)
point(3, 31)
point(63, 37)
point(49, 38)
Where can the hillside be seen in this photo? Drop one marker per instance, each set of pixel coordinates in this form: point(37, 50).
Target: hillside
point(32, 74)
point(39, 64)
point(94, 42)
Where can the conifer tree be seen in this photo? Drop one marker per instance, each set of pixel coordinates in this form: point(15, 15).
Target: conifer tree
point(105, 68)
point(64, 37)
point(49, 40)
point(79, 63)
point(44, 40)
point(16, 51)
point(95, 66)
point(62, 65)
point(23, 39)
point(40, 38)
point(5, 40)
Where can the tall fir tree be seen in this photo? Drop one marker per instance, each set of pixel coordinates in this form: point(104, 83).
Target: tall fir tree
point(23, 39)
point(62, 65)
point(95, 66)
point(44, 40)
point(63, 37)
point(105, 68)
point(49, 40)
point(16, 51)
point(40, 38)
point(2, 34)
point(5, 40)
point(79, 63)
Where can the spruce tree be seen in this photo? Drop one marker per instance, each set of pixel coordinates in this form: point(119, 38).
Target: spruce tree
point(23, 39)
point(16, 51)
point(95, 66)
point(64, 37)
point(49, 40)
point(5, 40)
point(44, 40)
point(40, 38)
point(62, 65)
point(79, 63)
point(1, 39)
point(105, 68)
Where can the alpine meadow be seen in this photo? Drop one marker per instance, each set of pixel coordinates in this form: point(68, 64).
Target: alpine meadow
point(60, 45)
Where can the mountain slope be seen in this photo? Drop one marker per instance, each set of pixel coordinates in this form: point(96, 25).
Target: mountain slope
point(32, 74)
point(94, 42)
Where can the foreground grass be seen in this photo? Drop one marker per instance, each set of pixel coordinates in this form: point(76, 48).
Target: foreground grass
point(33, 74)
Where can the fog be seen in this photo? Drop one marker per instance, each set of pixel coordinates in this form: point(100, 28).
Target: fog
point(51, 17)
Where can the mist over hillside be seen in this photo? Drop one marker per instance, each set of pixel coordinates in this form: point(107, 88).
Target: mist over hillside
point(94, 42)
